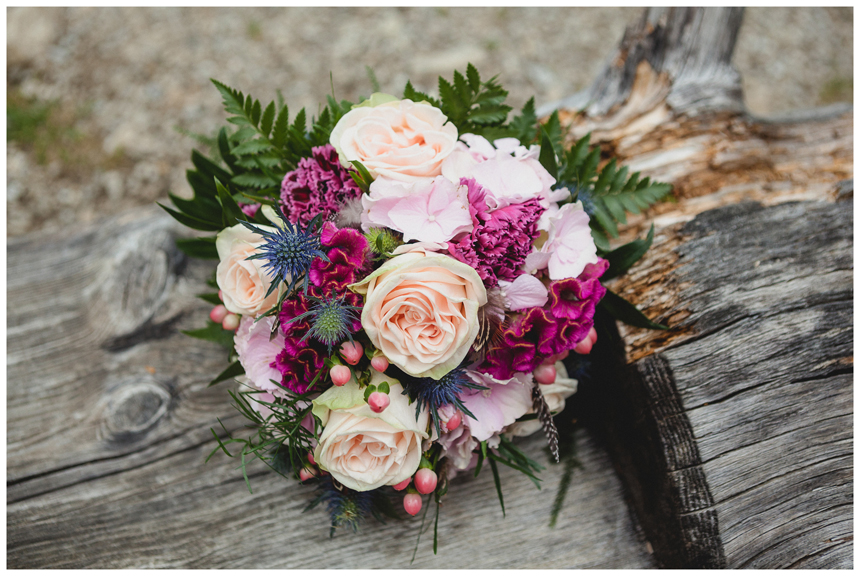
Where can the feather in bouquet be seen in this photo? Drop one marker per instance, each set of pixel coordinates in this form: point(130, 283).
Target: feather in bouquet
point(400, 282)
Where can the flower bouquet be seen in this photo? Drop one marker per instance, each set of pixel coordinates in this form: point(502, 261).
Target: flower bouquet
point(404, 285)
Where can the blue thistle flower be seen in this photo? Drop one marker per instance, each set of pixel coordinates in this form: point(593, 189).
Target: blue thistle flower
point(433, 394)
point(346, 507)
point(289, 251)
point(331, 320)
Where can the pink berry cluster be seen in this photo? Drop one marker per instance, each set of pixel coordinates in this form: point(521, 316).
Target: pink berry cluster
point(220, 315)
point(425, 481)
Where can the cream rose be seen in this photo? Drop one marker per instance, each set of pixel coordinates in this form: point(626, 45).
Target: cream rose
point(421, 311)
point(364, 450)
point(400, 139)
point(243, 282)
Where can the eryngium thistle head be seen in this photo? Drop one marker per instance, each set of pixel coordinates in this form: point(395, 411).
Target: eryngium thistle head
point(346, 507)
point(433, 394)
point(289, 251)
point(331, 320)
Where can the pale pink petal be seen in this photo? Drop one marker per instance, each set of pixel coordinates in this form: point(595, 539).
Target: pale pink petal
point(536, 261)
point(525, 291)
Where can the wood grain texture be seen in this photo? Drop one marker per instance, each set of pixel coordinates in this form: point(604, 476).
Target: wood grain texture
point(732, 431)
point(735, 440)
point(108, 428)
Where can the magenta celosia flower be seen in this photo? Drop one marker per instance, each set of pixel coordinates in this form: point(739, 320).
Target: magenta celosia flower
point(500, 240)
point(299, 362)
point(559, 326)
point(576, 298)
point(347, 251)
point(319, 185)
point(523, 345)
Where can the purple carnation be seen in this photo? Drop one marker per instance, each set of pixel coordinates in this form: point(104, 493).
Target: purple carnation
point(319, 185)
point(500, 241)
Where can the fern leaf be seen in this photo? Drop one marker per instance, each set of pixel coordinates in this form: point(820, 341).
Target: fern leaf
point(267, 119)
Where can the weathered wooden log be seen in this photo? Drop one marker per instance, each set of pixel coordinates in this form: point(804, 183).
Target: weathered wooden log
point(109, 419)
point(732, 430)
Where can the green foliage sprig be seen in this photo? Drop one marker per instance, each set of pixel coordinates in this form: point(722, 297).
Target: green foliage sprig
point(278, 440)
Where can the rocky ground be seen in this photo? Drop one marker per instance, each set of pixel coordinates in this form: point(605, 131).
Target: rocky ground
point(103, 104)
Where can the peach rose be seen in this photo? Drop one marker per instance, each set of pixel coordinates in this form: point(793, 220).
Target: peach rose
point(400, 139)
point(421, 311)
point(364, 450)
point(243, 282)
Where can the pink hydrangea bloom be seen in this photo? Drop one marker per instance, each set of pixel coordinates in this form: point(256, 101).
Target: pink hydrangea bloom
point(459, 446)
point(318, 185)
point(510, 172)
point(257, 353)
point(498, 406)
point(569, 243)
point(524, 292)
point(500, 239)
point(430, 210)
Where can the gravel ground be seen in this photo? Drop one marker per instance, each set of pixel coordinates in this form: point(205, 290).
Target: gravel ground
point(101, 101)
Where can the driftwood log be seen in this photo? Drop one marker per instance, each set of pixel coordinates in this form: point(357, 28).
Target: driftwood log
point(733, 430)
point(731, 433)
point(109, 418)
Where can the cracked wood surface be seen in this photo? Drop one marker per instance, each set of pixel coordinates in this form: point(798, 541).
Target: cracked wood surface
point(733, 431)
point(108, 418)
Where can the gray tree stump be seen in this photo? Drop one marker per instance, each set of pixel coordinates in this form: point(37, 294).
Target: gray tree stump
point(733, 430)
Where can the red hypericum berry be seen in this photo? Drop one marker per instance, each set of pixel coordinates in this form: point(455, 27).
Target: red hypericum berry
point(557, 357)
point(231, 322)
point(379, 363)
point(378, 401)
point(412, 504)
point(402, 485)
point(584, 347)
point(351, 352)
point(592, 335)
point(545, 374)
point(220, 295)
point(218, 314)
point(425, 480)
point(454, 421)
point(307, 473)
point(311, 458)
point(340, 374)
